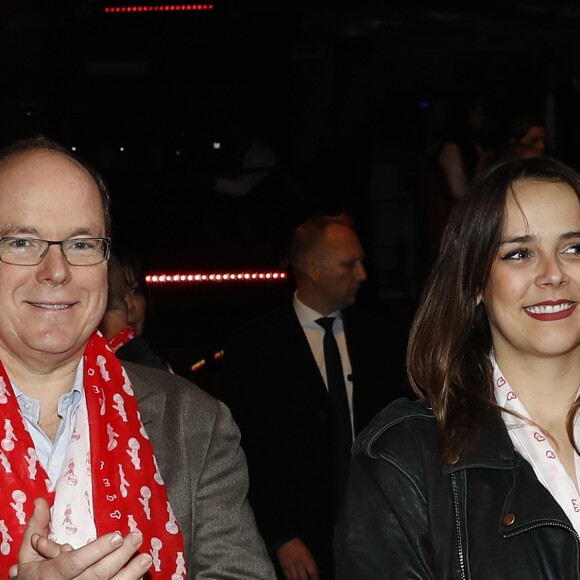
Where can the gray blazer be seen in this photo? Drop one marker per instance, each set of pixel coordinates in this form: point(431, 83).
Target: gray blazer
point(197, 447)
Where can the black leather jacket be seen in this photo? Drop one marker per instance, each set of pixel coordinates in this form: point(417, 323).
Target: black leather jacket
point(486, 518)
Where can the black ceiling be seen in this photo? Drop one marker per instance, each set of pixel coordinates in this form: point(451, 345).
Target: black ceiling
point(70, 68)
point(64, 62)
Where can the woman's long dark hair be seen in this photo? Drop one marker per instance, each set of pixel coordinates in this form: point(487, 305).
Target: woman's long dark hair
point(450, 340)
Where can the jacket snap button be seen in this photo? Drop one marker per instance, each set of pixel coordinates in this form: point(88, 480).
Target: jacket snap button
point(509, 519)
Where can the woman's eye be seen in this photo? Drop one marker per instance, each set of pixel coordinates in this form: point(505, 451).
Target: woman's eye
point(573, 249)
point(519, 254)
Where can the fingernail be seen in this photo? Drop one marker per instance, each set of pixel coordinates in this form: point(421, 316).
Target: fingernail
point(136, 539)
point(117, 539)
point(145, 560)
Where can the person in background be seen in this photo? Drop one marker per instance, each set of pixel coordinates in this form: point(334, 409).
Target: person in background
point(108, 469)
point(525, 137)
point(478, 478)
point(464, 144)
point(136, 294)
point(124, 341)
point(460, 130)
point(276, 385)
point(529, 131)
point(138, 301)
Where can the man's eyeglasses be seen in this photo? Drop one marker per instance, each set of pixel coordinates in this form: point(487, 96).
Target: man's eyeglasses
point(31, 251)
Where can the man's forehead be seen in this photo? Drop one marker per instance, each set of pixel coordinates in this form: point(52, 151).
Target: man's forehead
point(37, 186)
point(36, 172)
point(29, 164)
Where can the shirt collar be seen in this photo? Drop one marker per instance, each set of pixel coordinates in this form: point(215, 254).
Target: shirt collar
point(307, 316)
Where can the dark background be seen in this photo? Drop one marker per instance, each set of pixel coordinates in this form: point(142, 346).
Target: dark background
point(336, 88)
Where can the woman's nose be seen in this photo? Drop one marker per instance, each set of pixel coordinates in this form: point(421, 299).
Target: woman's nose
point(552, 273)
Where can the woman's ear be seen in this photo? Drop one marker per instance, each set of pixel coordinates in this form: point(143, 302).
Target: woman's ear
point(479, 299)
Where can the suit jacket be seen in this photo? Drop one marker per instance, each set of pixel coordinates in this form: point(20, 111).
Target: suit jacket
point(139, 351)
point(197, 448)
point(278, 397)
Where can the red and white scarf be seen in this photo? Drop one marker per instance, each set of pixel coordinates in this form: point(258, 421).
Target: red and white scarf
point(109, 480)
point(121, 338)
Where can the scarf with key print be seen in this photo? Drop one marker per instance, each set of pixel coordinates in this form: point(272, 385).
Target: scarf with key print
point(109, 479)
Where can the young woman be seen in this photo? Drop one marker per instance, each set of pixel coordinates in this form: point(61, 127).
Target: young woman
point(478, 478)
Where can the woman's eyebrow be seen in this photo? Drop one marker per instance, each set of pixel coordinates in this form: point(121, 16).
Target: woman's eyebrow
point(530, 237)
point(570, 235)
point(518, 239)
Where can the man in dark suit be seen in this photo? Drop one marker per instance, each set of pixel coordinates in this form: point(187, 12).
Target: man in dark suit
point(276, 386)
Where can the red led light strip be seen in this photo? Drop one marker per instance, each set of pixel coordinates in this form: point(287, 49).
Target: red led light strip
point(215, 277)
point(160, 8)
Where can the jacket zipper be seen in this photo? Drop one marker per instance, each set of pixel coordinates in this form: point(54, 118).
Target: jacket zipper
point(533, 526)
point(554, 524)
point(458, 526)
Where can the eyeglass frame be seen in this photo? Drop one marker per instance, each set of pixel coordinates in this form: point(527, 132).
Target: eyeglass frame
point(106, 254)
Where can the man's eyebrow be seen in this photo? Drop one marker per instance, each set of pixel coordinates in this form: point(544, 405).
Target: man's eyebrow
point(33, 232)
point(14, 230)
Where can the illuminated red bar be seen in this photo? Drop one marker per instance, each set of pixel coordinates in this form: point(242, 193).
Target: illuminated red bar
point(193, 278)
point(159, 8)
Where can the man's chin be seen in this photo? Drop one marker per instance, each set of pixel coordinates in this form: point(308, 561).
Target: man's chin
point(54, 344)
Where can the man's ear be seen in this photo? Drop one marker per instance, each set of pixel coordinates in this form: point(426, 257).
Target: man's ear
point(312, 267)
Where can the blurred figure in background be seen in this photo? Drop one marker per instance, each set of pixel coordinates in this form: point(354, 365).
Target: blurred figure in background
point(138, 301)
point(465, 142)
point(137, 297)
point(456, 133)
point(525, 137)
point(125, 341)
point(528, 131)
point(276, 384)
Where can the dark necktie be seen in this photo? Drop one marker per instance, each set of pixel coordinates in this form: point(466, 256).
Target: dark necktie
point(341, 424)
